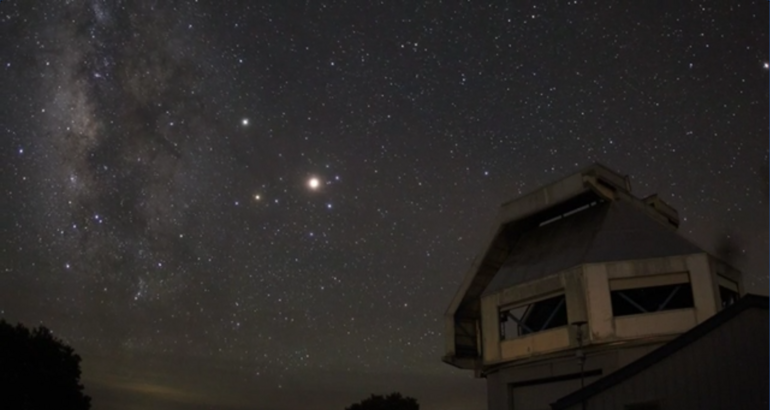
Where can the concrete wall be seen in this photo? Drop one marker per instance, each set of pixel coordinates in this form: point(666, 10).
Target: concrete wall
point(587, 290)
point(655, 324)
point(725, 369)
point(496, 350)
point(539, 343)
point(600, 278)
point(612, 342)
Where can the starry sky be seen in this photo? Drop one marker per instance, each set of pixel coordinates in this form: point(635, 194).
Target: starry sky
point(269, 204)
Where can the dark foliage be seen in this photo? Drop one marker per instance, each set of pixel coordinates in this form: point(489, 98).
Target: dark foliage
point(393, 401)
point(38, 371)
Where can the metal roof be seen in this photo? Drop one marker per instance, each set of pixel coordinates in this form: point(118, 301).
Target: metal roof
point(608, 231)
point(682, 342)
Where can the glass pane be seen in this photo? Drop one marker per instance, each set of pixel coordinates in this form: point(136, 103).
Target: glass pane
point(728, 296)
point(532, 318)
point(652, 299)
point(547, 314)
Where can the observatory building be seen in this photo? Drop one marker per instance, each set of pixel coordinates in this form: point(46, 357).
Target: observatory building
point(575, 281)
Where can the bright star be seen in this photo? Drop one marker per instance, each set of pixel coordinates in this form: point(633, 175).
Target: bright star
point(767, 65)
point(245, 122)
point(313, 183)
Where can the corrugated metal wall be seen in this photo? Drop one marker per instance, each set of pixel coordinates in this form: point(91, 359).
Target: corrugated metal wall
point(725, 369)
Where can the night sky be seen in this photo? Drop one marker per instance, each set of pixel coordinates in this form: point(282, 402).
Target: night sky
point(269, 205)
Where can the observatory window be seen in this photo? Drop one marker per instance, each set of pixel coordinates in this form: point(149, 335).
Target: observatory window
point(728, 291)
point(532, 318)
point(569, 213)
point(728, 296)
point(651, 299)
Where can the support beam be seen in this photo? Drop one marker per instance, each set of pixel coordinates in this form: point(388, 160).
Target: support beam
point(519, 322)
point(553, 313)
point(631, 301)
point(668, 299)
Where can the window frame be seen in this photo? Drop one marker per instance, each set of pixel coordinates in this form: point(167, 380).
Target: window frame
point(729, 286)
point(504, 309)
point(618, 285)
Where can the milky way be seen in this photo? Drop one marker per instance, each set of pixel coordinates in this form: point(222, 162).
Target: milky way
point(270, 204)
point(125, 139)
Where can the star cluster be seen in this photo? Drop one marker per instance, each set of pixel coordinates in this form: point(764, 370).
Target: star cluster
point(230, 203)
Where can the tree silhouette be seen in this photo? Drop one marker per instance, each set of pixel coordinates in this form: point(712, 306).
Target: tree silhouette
point(393, 401)
point(38, 371)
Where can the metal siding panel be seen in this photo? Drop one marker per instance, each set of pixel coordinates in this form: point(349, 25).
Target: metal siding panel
point(608, 232)
point(548, 249)
point(628, 233)
point(727, 364)
point(751, 341)
point(718, 370)
point(686, 359)
point(497, 398)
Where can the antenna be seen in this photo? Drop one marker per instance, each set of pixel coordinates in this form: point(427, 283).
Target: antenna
point(581, 356)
